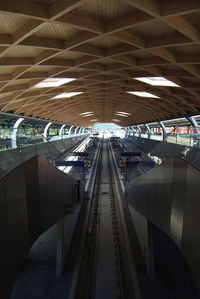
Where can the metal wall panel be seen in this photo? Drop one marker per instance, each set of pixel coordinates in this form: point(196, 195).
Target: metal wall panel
point(150, 194)
point(33, 197)
point(168, 196)
point(178, 199)
point(190, 242)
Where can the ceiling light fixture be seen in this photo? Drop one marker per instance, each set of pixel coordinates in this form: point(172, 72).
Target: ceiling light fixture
point(143, 94)
point(86, 112)
point(53, 82)
point(118, 114)
point(157, 81)
point(116, 120)
point(121, 112)
point(66, 95)
point(86, 115)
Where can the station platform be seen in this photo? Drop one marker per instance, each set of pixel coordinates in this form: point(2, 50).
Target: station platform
point(121, 232)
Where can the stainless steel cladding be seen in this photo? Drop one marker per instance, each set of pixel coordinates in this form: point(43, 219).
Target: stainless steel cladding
point(168, 196)
point(33, 197)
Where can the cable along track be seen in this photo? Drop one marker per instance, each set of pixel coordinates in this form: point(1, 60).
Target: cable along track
point(104, 271)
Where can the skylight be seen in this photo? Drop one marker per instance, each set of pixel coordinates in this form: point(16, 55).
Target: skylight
point(87, 115)
point(118, 114)
point(121, 112)
point(89, 112)
point(116, 120)
point(143, 94)
point(157, 81)
point(53, 82)
point(66, 95)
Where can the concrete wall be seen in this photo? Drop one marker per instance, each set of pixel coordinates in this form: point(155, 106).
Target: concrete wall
point(49, 150)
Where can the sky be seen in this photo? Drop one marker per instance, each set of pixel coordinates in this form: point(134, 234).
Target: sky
point(105, 126)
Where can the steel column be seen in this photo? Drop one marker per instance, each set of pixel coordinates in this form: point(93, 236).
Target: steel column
point(163, 129)
point(14, 133)
point(139, 131)
point(194, 124)
point(149, 131)
point(79, 132)
point(60, 131)
point(76, 130)
point(70, 129)
point(46, 130)
point(133, 131)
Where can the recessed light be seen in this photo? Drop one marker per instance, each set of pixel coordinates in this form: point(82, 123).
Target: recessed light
point(157, 81)
point(66, 95)
point(93, 120)
point(143, 94)
point(53, 82)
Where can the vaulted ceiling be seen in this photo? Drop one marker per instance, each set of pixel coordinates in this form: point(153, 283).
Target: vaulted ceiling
point(104, 45)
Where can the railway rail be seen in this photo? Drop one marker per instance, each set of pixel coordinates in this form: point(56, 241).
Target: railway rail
point(104, 267)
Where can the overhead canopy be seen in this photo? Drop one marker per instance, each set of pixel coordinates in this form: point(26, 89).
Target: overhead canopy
point(104, 50)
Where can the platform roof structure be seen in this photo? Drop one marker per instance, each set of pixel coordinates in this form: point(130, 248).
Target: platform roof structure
point(100, 48)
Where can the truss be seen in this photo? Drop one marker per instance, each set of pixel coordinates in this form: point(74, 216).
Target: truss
point(104, 45)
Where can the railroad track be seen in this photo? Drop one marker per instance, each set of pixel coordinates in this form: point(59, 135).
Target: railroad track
point(104, 269)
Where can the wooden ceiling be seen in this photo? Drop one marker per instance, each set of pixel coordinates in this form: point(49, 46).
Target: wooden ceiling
point(104, 45)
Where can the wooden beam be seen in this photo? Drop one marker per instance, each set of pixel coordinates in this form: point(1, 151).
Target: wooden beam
point(127, 21)
point(5, 61)
point(167, 40)
point(31, 9)
point(82, 22)
point(79, 39)
point(46, 43)
point(90, 50)
point(129, 38)
point(178, 7)
point(149, 6)
point(45, 55)
point(25, 30)
point(121, 49)
point(184, 27)
point(164, 53)
point(61, 7)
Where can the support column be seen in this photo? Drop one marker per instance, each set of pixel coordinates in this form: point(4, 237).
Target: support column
point(14, 133)
point(194, 124)
point(149, 131)
point(133, 132)
point(127, 131)
point(76, 130)
point(45, 131)
point(79, 132)
point(60, 131)
point(70, 129)
point(60, 247)
point(163, 129)
point(195, 128)
point(139, 130)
